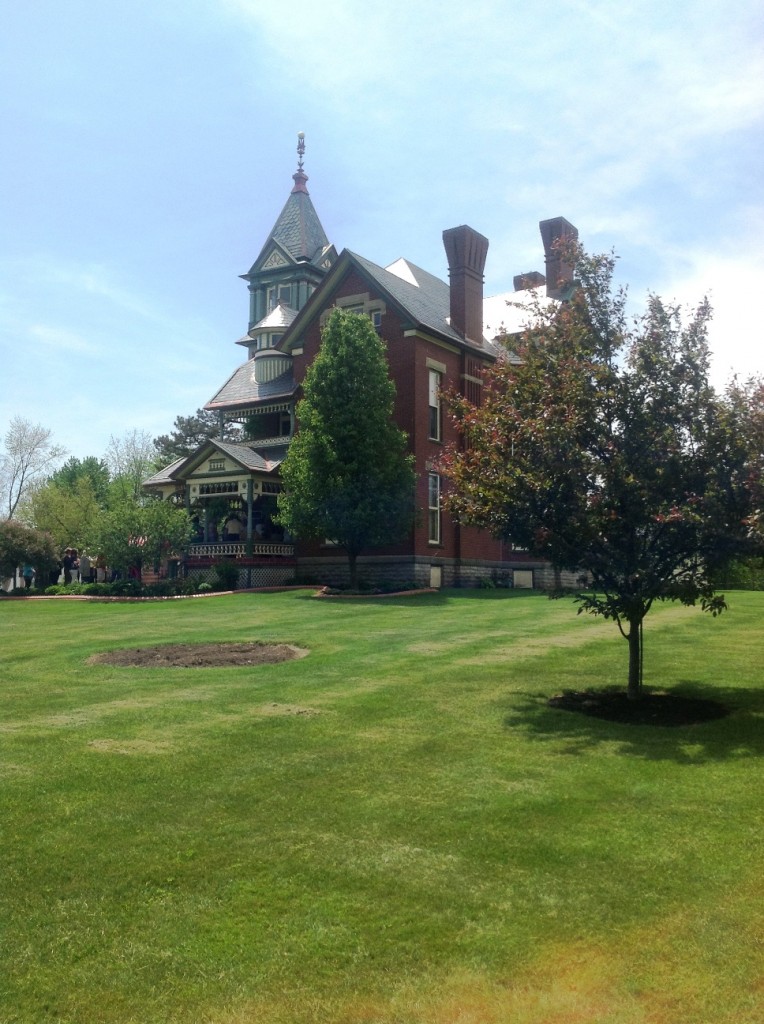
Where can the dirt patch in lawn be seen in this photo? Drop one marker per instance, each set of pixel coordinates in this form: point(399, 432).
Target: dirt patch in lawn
point(661, 708)
point(212, 655)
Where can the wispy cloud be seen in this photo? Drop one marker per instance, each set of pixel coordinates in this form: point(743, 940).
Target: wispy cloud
point(63, 341)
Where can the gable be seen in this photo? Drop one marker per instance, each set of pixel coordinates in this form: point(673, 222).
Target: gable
point(275, 259)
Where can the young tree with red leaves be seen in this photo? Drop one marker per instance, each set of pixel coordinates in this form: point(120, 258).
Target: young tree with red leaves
point(603, 449)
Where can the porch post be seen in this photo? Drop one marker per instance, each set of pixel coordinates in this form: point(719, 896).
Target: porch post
point(249, 514)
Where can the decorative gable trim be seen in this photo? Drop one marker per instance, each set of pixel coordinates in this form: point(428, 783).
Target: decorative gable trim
point(275, 260)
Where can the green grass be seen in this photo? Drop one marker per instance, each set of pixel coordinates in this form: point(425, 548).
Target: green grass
point(394, 829)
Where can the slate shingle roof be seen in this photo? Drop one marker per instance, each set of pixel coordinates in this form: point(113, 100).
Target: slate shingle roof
point(164, 476)
point(298, 230)
point(241, 388)
point(264, 461)
point(427, 302)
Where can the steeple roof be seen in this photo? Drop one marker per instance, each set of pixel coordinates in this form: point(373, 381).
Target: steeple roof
point(298, 231)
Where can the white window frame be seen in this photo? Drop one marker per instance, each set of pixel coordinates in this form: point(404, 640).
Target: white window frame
point(433, 509)
point(435, 418)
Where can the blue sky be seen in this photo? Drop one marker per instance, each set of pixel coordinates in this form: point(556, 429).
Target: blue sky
point(149, 147)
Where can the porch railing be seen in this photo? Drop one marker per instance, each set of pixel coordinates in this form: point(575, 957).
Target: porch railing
point(236, 549)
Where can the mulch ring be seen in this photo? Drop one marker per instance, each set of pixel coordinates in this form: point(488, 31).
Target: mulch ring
point(654, 708)
point(210, 655)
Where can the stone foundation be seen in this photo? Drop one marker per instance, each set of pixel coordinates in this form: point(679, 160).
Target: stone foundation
point(419, 572)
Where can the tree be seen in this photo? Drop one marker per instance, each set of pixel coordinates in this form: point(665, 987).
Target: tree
point(745, 401)
point(117, 536)
point(130, 534)
point(69, 513)
point(189, 433)
point(90, 468)
point(347, 476)
point(29, 456)
point(166, 530)
point(130, 460)
point(604, 450)
point(19, 544)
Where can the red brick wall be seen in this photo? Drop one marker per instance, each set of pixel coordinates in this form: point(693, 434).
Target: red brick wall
point(408, 368)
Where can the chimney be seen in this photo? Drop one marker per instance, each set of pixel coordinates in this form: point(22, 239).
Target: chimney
point(533, 279)
point(558, 273)
point(466, 250)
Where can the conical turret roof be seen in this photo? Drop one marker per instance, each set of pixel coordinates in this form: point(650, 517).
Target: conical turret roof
point(298, 229)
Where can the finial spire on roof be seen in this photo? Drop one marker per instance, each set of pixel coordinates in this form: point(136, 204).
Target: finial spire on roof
point(300, 177)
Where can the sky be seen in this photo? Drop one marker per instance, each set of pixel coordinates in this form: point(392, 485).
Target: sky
point(148, 149)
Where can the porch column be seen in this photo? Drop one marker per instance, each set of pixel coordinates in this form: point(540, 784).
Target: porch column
point(249, 512)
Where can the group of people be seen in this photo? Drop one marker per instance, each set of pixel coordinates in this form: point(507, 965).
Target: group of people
point(81, 567)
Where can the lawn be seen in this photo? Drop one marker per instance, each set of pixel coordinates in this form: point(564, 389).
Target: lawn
point(395, 829)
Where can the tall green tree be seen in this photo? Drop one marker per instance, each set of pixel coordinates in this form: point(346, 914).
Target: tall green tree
point(188, 433)
point(347, 476)
point(91, 468)
point(745, 401)
point(604, 450)
point(69, 513)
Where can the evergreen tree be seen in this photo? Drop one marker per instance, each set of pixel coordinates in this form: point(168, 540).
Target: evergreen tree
point(189, 432)
point(347, 476)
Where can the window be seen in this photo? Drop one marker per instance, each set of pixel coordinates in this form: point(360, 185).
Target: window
point(362, 304)
point(434, 403)
point(433, 508)
point(216, 464)
point(279, 294)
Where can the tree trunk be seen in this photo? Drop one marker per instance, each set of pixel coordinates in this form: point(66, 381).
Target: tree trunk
point(634, 691)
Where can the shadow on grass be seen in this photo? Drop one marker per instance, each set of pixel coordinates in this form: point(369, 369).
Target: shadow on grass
point(739, 735)
point(442, 596)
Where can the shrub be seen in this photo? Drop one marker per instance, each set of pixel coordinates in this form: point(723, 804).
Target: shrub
point(125, 588)
point(227, 576)
point(204, 588)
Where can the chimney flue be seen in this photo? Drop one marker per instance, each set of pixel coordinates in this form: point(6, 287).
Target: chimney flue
point(466, 250)
point(558, 272)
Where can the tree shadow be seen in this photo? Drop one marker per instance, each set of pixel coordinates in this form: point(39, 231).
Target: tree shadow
point(740, 734)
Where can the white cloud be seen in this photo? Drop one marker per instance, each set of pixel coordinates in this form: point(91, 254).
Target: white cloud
point(63, 340)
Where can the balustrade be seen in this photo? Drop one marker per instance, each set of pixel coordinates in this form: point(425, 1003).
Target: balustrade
point(236, 549)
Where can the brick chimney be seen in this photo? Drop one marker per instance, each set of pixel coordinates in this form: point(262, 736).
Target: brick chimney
point(466, 250)
point(533, 279)
point(558, 273)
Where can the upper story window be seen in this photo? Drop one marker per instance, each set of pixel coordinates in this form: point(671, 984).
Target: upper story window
point(216, 465)
point(363, 305)
point(281, 293)
point(433, 398)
